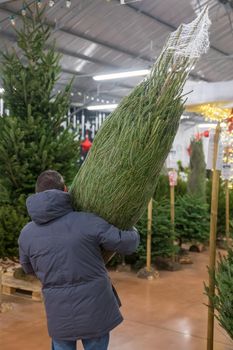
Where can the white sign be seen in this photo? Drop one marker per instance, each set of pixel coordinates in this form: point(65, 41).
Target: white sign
point(172, 160)
point(226, 171)
point(211, 153)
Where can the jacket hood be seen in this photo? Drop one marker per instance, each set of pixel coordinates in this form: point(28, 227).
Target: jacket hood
point(48, 205)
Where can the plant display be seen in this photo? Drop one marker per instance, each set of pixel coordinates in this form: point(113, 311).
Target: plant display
point(191, 219)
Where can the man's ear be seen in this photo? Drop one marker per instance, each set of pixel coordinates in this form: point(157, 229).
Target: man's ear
point(65, 188)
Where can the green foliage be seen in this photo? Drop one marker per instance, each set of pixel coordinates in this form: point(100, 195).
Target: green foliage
point(223, 299)
point(32, 138)
point(191, 219)
point(162, 236)
point(197, 175)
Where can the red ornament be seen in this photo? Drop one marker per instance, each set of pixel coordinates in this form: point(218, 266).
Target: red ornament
point(206, 133)
point(86, 144)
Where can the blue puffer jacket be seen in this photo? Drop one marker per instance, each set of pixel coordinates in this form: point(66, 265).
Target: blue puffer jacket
point(62, 247)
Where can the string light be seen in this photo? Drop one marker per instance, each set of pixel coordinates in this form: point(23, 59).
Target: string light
point(39, 3)
point(212, 112)
point(68, 3)
point(23, 11)
point(12, 19)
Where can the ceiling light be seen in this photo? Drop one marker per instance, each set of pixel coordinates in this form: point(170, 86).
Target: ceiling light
point(1, 90)
point(12, 19)
point(39, 4)
point(120, 75)
point(207, 125)
point(68, 4)
point(23, 11)
point(102, 107)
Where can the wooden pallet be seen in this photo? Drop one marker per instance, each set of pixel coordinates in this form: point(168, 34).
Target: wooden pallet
point(13, 286)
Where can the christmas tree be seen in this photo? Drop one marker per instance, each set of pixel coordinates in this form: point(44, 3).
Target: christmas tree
point(129, 150)
point(162, 237)
point(197, 176)
point(192, 219)
point(32, 138)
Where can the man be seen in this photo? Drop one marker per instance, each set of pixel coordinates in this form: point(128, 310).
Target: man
point(63, 249)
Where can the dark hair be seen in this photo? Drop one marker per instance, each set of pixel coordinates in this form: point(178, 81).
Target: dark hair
point(49, 180)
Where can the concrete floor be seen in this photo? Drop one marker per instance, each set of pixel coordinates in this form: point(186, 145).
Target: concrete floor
point(167, 313)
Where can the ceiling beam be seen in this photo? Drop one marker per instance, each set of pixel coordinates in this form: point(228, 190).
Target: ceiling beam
point(66, 52)
point(11, 37)
point(78, 34)
point(170, 26)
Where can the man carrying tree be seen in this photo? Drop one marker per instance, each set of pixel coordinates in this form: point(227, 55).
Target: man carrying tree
point(63, 249)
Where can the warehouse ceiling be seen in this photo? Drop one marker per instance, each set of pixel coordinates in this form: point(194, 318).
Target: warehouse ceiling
point(105, 36)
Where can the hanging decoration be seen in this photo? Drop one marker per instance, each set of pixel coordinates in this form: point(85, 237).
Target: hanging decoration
point(206, 133)
point(86, 144)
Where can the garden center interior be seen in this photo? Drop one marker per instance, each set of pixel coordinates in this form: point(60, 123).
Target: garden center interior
point(132, 102)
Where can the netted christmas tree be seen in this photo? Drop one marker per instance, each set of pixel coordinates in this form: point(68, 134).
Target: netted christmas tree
point(118, 177)
point(32, 138)
point(197, 175)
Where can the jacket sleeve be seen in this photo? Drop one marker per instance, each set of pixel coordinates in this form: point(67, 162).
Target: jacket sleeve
point(25, 261)
point(113, 239)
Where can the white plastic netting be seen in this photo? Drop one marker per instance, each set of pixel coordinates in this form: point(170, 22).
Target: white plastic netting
point(190, 40)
